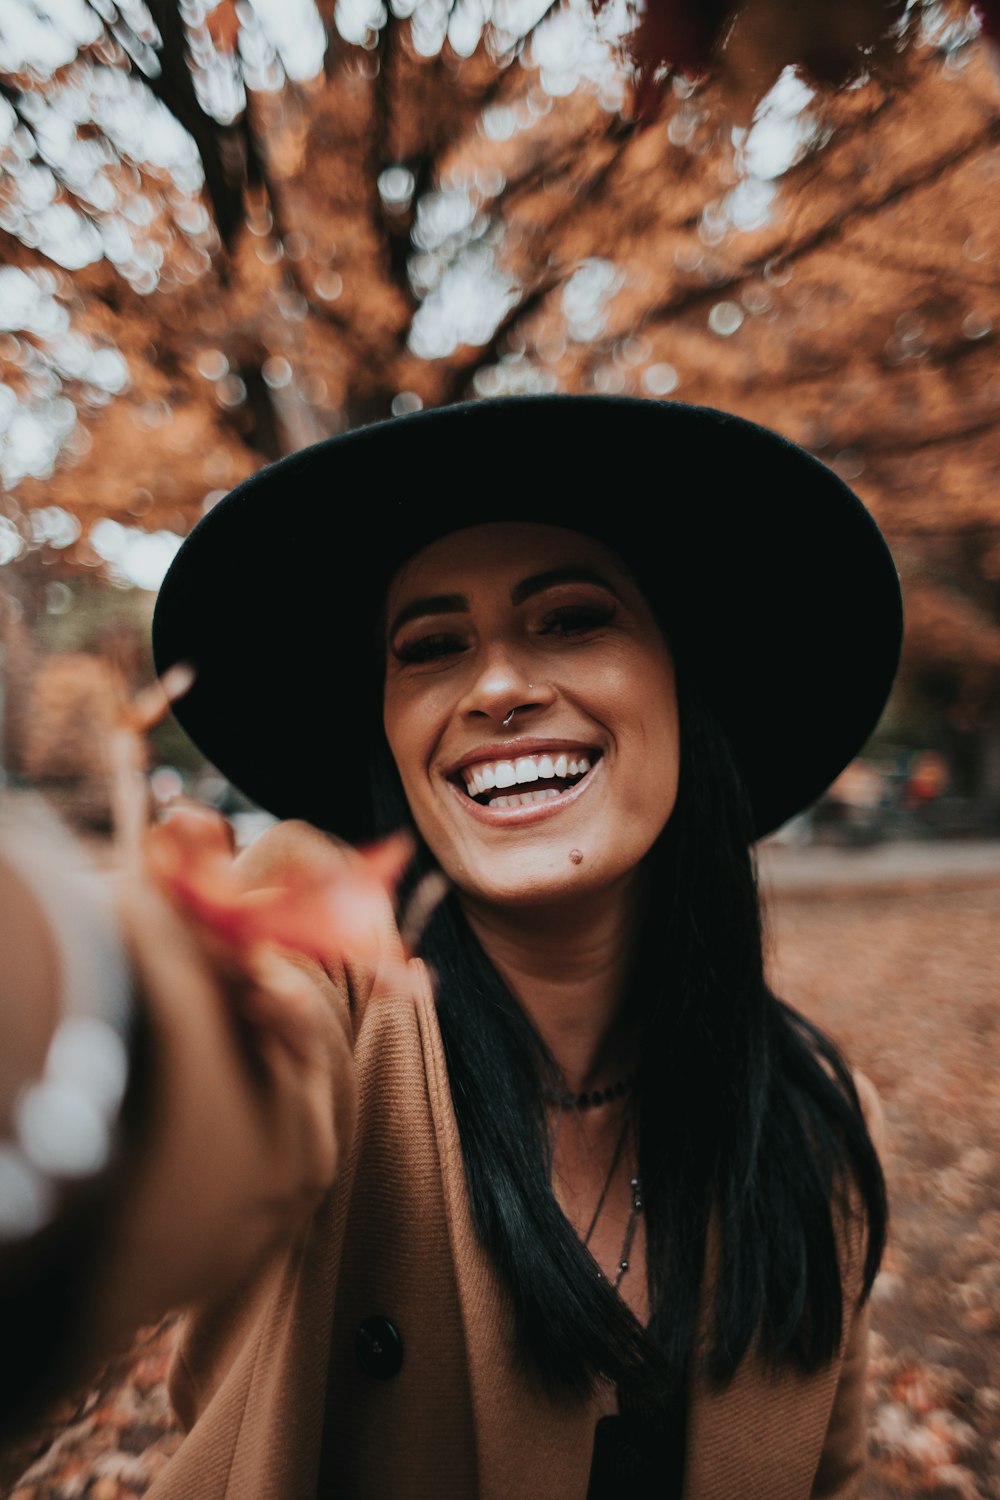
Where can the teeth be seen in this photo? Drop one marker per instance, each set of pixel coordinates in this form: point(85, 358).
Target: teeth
point(527, 768)
point(525, 799)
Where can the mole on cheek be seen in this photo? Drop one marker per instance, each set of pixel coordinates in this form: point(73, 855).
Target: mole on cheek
point(576, 856)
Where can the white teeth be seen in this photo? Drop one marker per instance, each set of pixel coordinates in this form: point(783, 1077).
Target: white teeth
point(527, 768)
point(525, 799)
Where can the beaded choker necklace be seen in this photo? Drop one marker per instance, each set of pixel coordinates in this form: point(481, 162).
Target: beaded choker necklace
point(592, 1098)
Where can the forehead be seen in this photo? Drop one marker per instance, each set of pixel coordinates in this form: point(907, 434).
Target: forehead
point(500, 553)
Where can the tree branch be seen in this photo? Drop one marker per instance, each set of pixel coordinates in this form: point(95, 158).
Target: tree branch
point(462, 379)
point(223, 149)
point(826, 234)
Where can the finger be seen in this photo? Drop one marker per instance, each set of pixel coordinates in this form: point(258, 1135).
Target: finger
point(339, 919)
point(152, 704)
point(198, 828)
point(129, 795)
point(388, 859)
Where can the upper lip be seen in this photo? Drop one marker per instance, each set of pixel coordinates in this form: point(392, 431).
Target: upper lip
point(512, 749)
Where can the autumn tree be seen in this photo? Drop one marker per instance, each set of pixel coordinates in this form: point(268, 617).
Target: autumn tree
point(227, 232)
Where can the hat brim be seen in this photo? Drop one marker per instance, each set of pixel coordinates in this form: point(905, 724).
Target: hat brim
point(774, 585)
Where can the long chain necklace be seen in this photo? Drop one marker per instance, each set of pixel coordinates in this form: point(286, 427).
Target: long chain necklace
point(635, 1185)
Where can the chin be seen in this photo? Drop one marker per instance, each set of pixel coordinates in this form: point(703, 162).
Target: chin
point(531, 890)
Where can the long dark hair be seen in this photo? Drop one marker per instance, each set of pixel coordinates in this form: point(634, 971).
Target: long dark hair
point(743, 1107)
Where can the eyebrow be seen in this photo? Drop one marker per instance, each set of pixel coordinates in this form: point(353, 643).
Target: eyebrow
point(538, 582)
point(455, 604)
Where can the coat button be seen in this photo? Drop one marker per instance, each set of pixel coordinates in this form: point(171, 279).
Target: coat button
point(378, 1347)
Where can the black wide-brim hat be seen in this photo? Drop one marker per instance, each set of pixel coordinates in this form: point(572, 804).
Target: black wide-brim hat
point(775, 587)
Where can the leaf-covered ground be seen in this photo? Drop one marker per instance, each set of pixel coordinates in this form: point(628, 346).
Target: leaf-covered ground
point(907, 982)
point(910, 985)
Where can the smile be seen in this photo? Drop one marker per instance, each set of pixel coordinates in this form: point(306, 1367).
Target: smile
point(491, 783)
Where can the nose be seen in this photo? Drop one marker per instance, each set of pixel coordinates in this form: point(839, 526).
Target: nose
point(501, 688)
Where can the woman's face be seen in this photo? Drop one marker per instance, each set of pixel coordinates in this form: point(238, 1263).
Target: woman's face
point(531, 711)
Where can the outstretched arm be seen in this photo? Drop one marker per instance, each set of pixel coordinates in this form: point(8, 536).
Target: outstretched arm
point(239, 1107)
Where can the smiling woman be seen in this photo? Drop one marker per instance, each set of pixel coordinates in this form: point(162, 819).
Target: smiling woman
point(611, 1211)
point(535, 670)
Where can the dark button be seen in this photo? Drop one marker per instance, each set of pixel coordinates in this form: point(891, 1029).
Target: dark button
point(378, 1346)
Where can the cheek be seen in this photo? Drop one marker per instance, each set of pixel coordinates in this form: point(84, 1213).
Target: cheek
point(658, 734)
point(408, 725)
point(665, 730)
point(400, 734)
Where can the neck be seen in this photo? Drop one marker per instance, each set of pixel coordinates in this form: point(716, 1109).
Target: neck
point(570, 970)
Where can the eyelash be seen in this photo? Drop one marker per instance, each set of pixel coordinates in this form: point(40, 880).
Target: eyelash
point(567, 620)
point(579, 618)
point(426, 648)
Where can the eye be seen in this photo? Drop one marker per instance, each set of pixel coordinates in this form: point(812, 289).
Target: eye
point(576, 619)
point(424, 648)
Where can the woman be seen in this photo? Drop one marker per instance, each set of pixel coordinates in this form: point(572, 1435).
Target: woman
point(610, 1211)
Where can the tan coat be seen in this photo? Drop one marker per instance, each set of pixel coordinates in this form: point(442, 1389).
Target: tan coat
point(260, 1379)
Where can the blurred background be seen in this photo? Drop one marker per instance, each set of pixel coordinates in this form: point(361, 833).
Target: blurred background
point(230, 230)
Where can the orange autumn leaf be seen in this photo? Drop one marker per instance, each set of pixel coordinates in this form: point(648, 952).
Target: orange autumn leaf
point(326, 917)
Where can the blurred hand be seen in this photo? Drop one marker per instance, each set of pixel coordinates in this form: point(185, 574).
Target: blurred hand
point(251, 1094)
point(329, 909)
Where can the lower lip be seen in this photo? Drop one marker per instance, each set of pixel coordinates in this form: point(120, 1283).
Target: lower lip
point(535, 812)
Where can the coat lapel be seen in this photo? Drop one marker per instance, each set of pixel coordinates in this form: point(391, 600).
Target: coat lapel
point(411, 1432)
